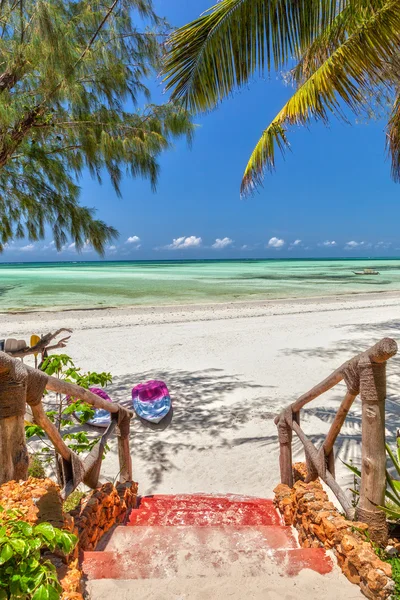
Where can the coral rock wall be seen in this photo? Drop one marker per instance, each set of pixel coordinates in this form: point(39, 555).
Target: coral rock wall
point(101, 510)
point(318, 522)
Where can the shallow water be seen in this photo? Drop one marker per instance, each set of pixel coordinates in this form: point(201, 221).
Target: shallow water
point(28, 286)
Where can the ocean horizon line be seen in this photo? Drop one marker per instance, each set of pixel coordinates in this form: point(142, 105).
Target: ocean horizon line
point(192, 260)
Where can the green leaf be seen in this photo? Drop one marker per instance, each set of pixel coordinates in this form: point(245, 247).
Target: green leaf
point(53, 593)
point(6, 553)
point(32, 430)
point(393, 458)
point(25, 528)
point(18, 545)
point(353, 469)
point(42, 593)
point(35, 543)
point(32, 563)
point(394, 514)
point(46, 530)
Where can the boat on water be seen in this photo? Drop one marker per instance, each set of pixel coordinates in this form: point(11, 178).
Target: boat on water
point(366, 272)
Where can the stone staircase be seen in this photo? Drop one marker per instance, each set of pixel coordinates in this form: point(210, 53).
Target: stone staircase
point(198, 546)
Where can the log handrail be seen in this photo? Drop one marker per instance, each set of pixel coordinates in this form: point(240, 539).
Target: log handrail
point(365, 374)
point(29, 384)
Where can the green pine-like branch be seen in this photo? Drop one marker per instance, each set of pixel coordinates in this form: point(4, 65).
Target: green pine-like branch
point(72, 78)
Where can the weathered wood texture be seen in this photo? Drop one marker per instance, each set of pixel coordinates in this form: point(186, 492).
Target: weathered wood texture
point(125, 459)
point(43, 344)
point(13, 450)
point(21, 384)
point(365, 374)
point(373, 465)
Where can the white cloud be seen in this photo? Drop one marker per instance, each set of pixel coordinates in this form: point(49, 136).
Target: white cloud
point(72, 247)
point(222, 243)
point(275, 242)
point(134, 240)
point(352, 245)
point(182, 243)
point(296, 244)
point(328, 243)
point(27, 248)
point(112, 248)
point(383, 245)
point(244, 247)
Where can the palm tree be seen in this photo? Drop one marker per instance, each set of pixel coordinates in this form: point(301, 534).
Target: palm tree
point(345, 54)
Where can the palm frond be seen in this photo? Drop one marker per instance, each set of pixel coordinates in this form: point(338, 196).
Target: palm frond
point(393, 139)
point(334, 35)
point(223, 48)
point(343, 77)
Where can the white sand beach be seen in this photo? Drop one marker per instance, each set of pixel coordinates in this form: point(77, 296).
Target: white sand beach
point(230, 369)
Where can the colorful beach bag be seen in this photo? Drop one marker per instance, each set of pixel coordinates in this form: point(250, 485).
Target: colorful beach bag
point(101, 417)
point(151, 400)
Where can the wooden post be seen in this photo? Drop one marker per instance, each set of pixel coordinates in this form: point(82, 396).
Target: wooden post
point(124, 455)
point(13, 450)
point(285, 450)
point(373, 466)
point(323, 473)
point(327, 447)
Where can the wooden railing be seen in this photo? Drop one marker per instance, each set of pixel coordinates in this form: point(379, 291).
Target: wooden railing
point(365, 374)
point(21, 385)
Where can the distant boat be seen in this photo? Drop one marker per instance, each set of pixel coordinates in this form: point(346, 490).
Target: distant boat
point(366, 272)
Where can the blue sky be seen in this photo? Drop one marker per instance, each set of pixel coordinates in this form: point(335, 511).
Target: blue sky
point(331, 196)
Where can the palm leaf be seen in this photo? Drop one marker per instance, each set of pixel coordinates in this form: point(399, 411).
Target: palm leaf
point(394, 485)
point(344, 76)
point(353, 469)
point(393, 139)
point(393, 514)
point(333, 36)
point(223, 48)
point(393, 458)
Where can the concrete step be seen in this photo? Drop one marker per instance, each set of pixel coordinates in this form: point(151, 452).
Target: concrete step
point(204, 510)
point(308, 586)
point(188, 551)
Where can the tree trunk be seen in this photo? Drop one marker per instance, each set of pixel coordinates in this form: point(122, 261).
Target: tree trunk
point(13, 451)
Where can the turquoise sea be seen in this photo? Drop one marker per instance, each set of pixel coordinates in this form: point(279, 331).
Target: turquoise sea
point(30, 286)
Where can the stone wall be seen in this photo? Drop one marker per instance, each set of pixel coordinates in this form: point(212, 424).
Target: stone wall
point(37, 500)
point(306, 506)
point(100, 510)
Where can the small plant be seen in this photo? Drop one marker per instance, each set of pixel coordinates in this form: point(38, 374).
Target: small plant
point(24, 573)
point(355, 490)
point(395, 562)
point(61, 411)
point(36, 468)
point(392, 493)
point(73, 500)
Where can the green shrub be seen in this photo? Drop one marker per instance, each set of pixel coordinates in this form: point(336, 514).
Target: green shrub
point(24, 573)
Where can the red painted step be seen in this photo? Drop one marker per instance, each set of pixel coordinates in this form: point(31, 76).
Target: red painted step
point(165, 552)
point(204, 510)
point(191, 536)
